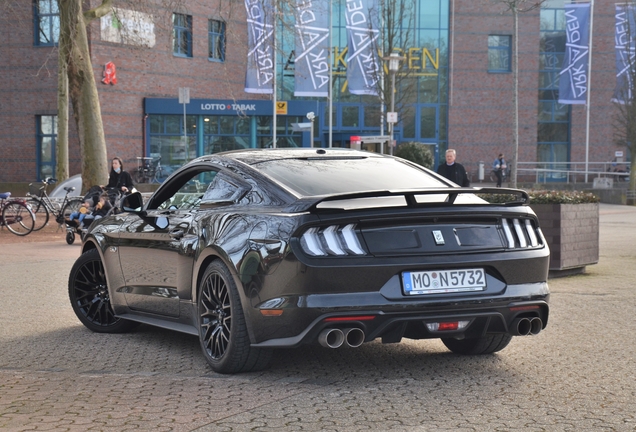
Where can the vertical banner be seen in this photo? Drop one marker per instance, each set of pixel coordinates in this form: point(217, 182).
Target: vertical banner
point(573, 80)
point(312, 48)
point(363, 62)
point(624, 40)
point(260, 73)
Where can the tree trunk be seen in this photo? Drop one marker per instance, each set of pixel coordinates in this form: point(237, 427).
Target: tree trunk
point(84, 97)
point(61, 153)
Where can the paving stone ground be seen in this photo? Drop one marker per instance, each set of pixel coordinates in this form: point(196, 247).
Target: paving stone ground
point(577, 375)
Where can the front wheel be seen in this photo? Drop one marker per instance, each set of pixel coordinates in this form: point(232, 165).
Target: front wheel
point(89, 296)
point(222, 328)
point(40, 212)
point(70, 237)
point(482, 345)
point(18, 218)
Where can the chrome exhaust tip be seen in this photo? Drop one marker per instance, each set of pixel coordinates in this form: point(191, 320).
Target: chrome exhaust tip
point(331, 338)
point(521, 327)
point(536, 325)
point(354, 337)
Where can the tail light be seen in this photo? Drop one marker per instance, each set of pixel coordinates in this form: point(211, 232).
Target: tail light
point(333, 240)
point(520, 233)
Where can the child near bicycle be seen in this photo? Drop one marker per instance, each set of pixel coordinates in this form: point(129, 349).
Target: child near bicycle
point(85, 210)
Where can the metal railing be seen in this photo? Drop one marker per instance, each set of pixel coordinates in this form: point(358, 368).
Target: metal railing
point(572, 172)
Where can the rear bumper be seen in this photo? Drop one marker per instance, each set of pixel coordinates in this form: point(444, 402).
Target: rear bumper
point(379, 317)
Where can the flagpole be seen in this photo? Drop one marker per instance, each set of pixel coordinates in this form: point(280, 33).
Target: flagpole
point(331, 61)
point(589, 87)
point(274, 124)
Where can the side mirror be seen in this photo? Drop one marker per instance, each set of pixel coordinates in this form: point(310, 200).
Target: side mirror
point(132, 202)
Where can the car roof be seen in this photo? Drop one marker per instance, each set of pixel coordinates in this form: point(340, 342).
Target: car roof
point(255, 156)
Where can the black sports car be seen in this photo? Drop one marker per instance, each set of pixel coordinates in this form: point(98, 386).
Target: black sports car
point(259, 249)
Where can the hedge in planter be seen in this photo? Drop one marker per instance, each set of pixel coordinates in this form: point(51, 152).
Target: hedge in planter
point(570, 225)
point(569, 221)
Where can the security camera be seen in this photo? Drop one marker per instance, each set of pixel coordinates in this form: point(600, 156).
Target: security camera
point(311, 115)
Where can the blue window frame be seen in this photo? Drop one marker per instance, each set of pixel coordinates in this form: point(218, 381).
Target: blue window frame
point(182, 35)
point(499, 53)
point(46, 19)
point(46, 127)
point(216, 40)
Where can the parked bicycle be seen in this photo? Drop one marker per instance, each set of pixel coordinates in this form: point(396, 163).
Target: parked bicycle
point(16, 215)
point(149, 170)
point(43, 206)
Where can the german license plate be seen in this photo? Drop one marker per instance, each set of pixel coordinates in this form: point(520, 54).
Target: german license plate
point(444, 281)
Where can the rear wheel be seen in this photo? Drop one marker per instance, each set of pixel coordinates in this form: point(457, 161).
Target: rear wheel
point(89, 296)
point(18, 218)
point(40, 212)
point(483, 345)
point(222, 328)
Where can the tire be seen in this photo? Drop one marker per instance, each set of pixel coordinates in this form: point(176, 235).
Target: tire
point(484, 345)
point(18, 218)
point(40, 212)
point(222, 329)
point(70, 237)
point(71, 206)
point(89, 296)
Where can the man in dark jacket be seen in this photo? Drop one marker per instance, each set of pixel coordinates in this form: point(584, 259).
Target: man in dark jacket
point(452, 170)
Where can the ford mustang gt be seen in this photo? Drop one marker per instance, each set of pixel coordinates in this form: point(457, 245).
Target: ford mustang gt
point(253, 250)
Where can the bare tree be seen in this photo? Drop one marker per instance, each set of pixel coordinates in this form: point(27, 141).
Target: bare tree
point(515, 7)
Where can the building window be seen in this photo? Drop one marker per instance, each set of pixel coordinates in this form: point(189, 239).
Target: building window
point(46, 142)
point(182, 35)
point(499, 52)
point(216, 40)
point(47, 22)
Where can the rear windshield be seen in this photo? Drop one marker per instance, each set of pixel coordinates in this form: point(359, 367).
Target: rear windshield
point(310, 177)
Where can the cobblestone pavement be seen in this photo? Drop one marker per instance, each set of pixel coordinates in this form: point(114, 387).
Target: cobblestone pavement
point(577, 375)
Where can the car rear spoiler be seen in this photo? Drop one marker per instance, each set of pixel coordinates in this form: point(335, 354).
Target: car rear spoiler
point(519, 196)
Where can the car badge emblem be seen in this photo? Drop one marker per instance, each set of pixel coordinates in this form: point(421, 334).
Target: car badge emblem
point(439, 238)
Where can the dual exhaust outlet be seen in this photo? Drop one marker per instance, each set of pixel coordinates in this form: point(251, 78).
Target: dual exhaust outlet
point(335, 337)
point(526, 326)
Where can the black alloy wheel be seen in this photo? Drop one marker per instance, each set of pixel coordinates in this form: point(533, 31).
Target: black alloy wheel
point(222, 330)
point(88, 292)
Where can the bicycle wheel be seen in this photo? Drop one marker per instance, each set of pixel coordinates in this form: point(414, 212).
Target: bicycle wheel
point(40, 212)
point(71, 206)
point(18, 218)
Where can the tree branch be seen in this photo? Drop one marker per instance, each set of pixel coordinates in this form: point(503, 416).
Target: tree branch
point(103, 9)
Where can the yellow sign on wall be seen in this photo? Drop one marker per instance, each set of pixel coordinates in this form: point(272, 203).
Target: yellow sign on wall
point(281, 108)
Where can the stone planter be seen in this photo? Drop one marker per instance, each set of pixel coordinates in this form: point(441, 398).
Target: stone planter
point(572, 233)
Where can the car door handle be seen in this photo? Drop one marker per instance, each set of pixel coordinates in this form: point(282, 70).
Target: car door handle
point(176, 234)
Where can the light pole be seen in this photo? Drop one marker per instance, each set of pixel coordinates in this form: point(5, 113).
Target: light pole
point(391, 117)
point(311, 116)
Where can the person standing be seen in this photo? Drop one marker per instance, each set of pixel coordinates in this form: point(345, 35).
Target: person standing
point(499, 167)
point(452, 170)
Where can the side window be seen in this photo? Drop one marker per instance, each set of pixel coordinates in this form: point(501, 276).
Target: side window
point(182, 35)
point(225, 190)
point(499, 53)
point(46, 18)
point(190, 194)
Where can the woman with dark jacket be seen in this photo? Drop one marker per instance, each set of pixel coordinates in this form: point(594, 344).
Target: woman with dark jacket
point(118, 178)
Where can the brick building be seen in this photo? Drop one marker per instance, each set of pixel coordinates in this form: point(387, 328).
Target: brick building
point(459, 58)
